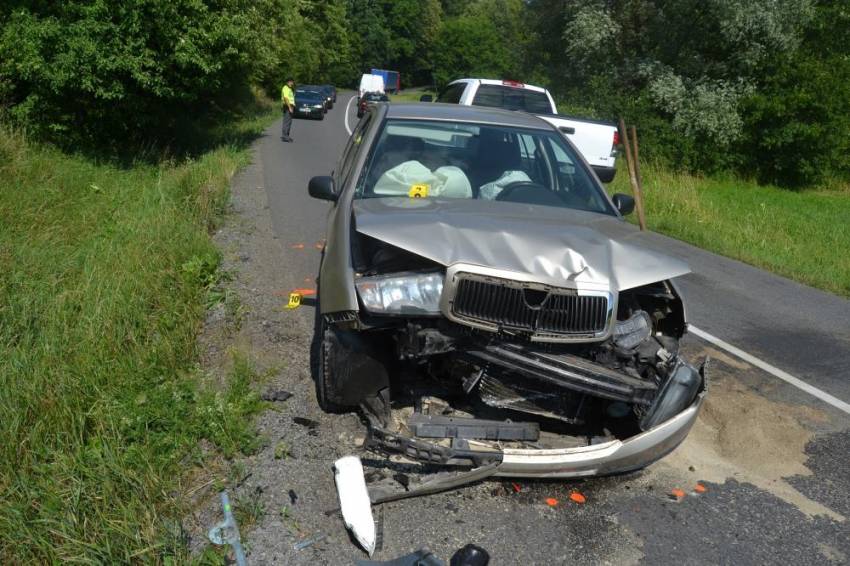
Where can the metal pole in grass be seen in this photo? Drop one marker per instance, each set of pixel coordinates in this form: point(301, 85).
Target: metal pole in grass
point(630, 161)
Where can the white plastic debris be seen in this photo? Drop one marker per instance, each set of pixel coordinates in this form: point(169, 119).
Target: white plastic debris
point(354, 501)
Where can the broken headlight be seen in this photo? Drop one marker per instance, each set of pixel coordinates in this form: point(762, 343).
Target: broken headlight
point(408, 293)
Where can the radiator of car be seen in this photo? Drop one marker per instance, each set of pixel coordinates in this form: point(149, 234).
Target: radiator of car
point(543, 312)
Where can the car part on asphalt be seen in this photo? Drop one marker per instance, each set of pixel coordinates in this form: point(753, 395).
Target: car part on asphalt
point(354, 501)
point(309, 542)
point(438, 426)
point(469, 555)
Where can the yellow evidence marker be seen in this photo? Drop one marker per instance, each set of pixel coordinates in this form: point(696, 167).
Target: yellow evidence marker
point(294, 301)
point(419, 191)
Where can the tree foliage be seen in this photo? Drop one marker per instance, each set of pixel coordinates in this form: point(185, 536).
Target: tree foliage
point(757, 86)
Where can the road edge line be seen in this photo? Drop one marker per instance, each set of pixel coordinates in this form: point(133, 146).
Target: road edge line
point(773, 370)
point(345, 116)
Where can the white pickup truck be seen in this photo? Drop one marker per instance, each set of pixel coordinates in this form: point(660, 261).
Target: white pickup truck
point(596, 140)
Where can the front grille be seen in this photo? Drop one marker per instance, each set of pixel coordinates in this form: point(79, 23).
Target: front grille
point(504, 304)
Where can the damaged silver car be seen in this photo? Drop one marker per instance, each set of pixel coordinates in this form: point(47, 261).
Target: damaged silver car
point(483, 302)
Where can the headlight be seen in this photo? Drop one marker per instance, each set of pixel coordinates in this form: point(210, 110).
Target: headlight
point(410, 293)
point(317, 106)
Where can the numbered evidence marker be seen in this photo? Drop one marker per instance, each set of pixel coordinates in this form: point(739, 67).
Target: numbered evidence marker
point(294, 300)
point(418, 191)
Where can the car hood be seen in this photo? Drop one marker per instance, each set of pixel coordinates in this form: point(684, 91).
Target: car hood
point(556, 246)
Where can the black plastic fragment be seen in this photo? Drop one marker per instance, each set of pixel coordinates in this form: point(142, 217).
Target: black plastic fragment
point(438, 426)
point(309, 423)
point(277, 395)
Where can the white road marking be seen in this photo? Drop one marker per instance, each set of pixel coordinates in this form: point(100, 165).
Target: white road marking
point(775, 371)
point(345, 116)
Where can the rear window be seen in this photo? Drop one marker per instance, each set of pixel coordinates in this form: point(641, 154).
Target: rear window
point(510, 98)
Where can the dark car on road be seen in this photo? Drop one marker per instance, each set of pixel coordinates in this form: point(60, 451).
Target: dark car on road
point(368, 101)
point(483, 302)
point(332, 90)
point(310, 103)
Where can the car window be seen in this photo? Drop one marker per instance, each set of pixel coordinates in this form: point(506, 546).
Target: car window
point(452, 93)
point(452, 160)
point(511, 98)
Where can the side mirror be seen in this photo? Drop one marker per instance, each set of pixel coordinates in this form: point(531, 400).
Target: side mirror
point(426, 98)
point(624, 203)
point(322, 188)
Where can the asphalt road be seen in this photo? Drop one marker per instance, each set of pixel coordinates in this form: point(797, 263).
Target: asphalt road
point(772, 457)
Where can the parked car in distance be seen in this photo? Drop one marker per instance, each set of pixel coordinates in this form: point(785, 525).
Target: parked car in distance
point(596, 140)
point(369, 100)
point(392, 80)
point(483, 302)
point(371, 83)
point(309, 103)
point(326, 93)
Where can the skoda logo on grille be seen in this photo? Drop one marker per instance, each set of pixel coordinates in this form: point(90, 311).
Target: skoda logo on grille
point(534, 298)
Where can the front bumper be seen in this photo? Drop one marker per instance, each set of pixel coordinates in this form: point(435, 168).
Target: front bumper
point(607, 458)
point(614, 457)
point(309, 112)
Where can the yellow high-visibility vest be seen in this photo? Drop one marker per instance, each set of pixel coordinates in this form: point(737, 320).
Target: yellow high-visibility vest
point(287, 96)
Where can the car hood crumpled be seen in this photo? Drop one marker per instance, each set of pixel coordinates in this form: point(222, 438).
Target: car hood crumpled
point(556, 246)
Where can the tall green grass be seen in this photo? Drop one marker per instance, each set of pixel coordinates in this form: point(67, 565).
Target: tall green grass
point(802, 235)
point(104, 273)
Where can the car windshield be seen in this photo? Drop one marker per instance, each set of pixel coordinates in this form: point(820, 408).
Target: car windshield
point(423, 159)
point(308, 94)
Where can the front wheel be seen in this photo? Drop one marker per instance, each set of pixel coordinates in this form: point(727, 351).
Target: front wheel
point(327, 355)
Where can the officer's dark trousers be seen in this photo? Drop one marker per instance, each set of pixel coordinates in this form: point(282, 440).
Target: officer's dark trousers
point(287, 124)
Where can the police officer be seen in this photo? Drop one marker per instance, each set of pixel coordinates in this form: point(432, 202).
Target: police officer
point(287, 99)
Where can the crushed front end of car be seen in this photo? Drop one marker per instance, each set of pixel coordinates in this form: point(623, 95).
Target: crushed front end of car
point(544, 364)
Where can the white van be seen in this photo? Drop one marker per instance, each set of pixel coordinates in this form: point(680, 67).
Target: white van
point(371, 83)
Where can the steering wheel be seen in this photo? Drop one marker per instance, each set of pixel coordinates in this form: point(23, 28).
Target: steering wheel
point(529, 192)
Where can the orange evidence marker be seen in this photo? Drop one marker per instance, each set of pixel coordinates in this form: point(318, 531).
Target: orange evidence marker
point(551, 501)
point(304, 292)
point(699, 488)
point(578, 498)
point(677, 494)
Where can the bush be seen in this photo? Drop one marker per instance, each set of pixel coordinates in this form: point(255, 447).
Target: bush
point(106, 72)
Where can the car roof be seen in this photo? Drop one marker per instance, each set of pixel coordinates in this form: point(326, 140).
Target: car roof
point(459, 113)
point(507, 83)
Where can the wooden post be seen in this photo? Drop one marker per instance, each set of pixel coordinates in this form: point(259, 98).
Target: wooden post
point(636, 155)
point(624, 134)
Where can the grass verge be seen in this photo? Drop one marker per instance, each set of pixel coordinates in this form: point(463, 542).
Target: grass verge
point(411, 95)
point(105, 272)
point(802, 235)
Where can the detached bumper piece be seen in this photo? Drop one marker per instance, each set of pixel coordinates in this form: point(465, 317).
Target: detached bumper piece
point(564, 371)
point(671, 416)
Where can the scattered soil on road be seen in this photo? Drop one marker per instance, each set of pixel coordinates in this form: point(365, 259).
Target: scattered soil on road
point(742, 435)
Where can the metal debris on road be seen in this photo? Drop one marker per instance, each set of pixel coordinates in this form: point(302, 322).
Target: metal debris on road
point(309, 542)
point(227, 532)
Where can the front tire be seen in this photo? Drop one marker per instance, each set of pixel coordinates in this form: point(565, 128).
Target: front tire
point(326, 356)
